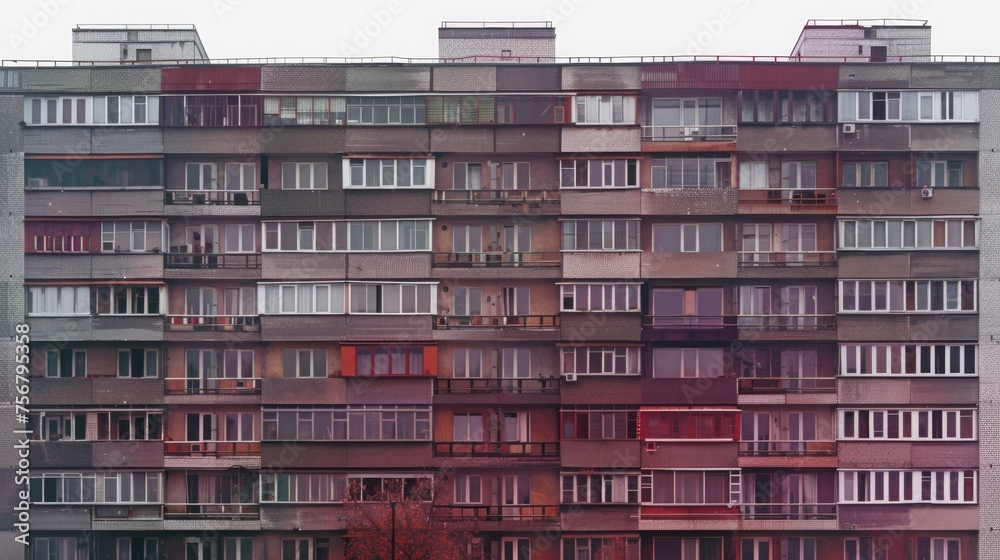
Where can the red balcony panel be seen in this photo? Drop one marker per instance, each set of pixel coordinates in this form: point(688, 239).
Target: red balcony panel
point(211, 78)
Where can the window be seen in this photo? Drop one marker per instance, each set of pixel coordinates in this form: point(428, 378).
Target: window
point(937, 548)
point(467, 176)
point(460, 109)
point(302, 487)
point(601, 235)
point(299, 236)
point(57, 425)
point(711, 487)
point(131, 237)
point(798, 175)
point(753, 175)
point(902, 486)
point(866, 174)
point(687, 307)
point(138, 362)
point(137, 548)
point(240, 238)
point(610, 488)
point(59, 549)
point(468, 489)
point(128, 300)
point(386, 487)
point(587, 548)
point(932, 173)
point(467, 363)
point(864, 548)
point(897, 233)
point(924, 424)
point(385, 110)
point(303, 363)
point(691, 363)
point(676, 114)
point(903, 359)
point(241, 177)
point(237, 548)
point(393, 299)
point(785, 106)
point(467, 426)
point(129, 425)
point(599, 422)
point(388, 360)
point(599, 173)
point(237, 363)
point(58, 300)
point(668, 425)
point(301, 299)
point(799, 548)
point(532, 109)
point(907, 296)
point(388, 235)
point(691, 172)
point(704, 548)
point(348, 423)
point(96, 488)
point(687, 238)
point(201, 177)
point(388, 173)
point(600, 297)
point(601, 360)
point(908, 106)
point(605, 109)
point(288, 110)
point(303, 175)
point(510, 175)
point(66, 363)
point(87, 173)
point(126, 109)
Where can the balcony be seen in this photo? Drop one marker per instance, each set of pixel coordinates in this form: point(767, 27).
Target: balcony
point(786, 511)
point(756, 385)
point(496, 259)
point(788, 448)
point(507, 449)
point(788, 322)
point(494, 202)
point(675, 133)
point(480, 327)
point(690, 328)
point(788, 201)
point(195, 261)
point(212, 197)
point(787, 258)
point(211, 511)
point(211, 448)
point(212, 323)
point(219, 390)
point(466, 386)
point(498, 513)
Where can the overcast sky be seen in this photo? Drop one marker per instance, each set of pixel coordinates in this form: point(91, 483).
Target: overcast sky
point(40, 29)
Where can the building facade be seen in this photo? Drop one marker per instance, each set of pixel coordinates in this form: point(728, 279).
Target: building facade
point(657, 309)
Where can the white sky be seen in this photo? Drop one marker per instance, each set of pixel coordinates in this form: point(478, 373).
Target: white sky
point(270, 28)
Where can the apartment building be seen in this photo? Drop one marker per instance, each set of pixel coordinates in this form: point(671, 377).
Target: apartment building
point(658, 308)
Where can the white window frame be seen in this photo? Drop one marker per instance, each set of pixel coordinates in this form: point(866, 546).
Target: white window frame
point(464, 486)
point(901, 292)
point(297, 482)
point(611, 488)
point(691, 361)
point(205, 169)
point(141, 235)
point(689, 237)
point(367, 290)
point(245, 174)
point(288, 298)
point(608, 229)
point(127, 105)
point(49, 301)
point(920, 423)
point(577, 297)
point(319, 178)
point(864, 174)
point(147, 354)
point(911, 106)
point(73, 362)
point(607, 167)
point(909, 482)
point(113, 292)
point(912, 234)
point(316, 357)
point(463, 359)
point(599, 109)
point(382, 165)
point(240, 231)
point(613, 356)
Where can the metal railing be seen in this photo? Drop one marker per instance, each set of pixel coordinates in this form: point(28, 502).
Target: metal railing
point(794, 197)
point(213, 386)
point(210, 510)
point(778, 511)
point(498, 513)
point(787, 384)
point(496, 321)
point(669, 133)
point(211, 448)
point(214, 196)
point(781, 448)
point(229, 323)
point(496, 448)
point(689, 321)
point(496, 196)
point(497, 259)
point(789, 322)
point(787, 258)
point(445, 386)
point(212, 260)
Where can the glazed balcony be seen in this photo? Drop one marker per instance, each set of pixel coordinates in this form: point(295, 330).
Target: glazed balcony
point(507, 449)
point(494, 202)
point(788, 201)
point(211, 448)
point(675, 133)
point(212, 323)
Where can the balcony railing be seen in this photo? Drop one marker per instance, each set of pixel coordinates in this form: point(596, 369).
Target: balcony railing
point(445, 386)
point(787, 258)
point(496, 321)
point(496, 448)
point(211, 511)
point(685, 322)
point(793, 197)
point(212, 386)
point(789, 322)
point(222, 323)
point(711, 133)
point(788, 448)
point(498, 513)
point(496, 259)
point(211, 448)
point(777, 511)
point(211, 260)
point(787, 384)
point(235, 198)
point(496, 197)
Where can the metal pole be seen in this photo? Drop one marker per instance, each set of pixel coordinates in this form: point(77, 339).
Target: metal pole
point(392, 555)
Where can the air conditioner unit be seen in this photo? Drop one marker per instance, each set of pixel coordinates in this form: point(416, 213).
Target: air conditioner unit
point(36, 182)
point(569, 376)
point(850, 128)
point(926, 192)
